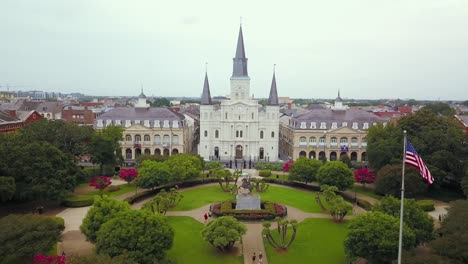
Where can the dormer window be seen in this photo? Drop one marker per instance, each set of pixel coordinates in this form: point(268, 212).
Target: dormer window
point(175, 124)
point(146, 123)
point(313, 125)
point(323, 125)
point(166, 123)
point(355, 125)
point(344, 124)
point(303, 124)
point(334, 125)
point(365, 126)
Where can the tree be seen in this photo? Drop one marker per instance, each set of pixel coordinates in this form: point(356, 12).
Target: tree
point(184, 166)
point(453, 233)
point(223, 232)
point(145, 237)
point(128, 174)
point(114, 134)
point(41, 171)
point(23, 236)
point(388, 181)
point(374, 236)
point(102, 151)
point(140, 159)
point(415, 218)
point(212, 165)
point(304, 169)
point(225, 178)
point(364, 175)
point(7, 188)
point(283, 242)
point(335, 204)
point(440, 108)
point(164, 201)
point(103, 210)
point(153, 174)
point(160, 102)
point(346, 160)
point(335, 173)
point(100, 183)
point(383, 146)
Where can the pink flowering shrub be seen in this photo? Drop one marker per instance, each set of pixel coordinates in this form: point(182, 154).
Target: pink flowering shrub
point(100, 182)
point(128, 174)
point(287, 165)
point(49, 259)
point(364, 175)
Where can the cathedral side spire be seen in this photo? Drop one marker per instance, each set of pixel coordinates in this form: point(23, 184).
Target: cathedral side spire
point(273, 98)
point(206, 95)
point(240, 61)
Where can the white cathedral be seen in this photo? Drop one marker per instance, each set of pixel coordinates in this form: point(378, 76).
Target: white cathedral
point(239, 128)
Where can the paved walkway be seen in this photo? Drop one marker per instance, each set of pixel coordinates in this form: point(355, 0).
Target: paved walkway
point(74, 242)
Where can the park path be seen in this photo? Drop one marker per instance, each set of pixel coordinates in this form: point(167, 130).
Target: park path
point(73, 240)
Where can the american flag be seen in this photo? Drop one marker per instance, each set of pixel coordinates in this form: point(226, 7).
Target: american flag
point(412, 158)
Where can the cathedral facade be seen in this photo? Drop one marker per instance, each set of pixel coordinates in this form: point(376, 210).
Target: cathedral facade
point(239, 128)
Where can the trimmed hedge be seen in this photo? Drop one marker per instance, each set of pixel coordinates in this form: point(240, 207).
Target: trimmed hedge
point(113, 188)
point(310, 187)
point(426, 205)
point(269, 166)
point(364, 204)
point(271, 211)
point(149, 193)
point(264, 173)
point(78, 201)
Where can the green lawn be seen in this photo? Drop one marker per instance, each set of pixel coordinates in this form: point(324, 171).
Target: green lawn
point(317, 241)
point(198, 197)
point(124, 188)
point(302, 200)
point(189, 246)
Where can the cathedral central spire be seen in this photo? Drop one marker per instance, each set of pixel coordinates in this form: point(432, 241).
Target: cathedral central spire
point(240, 61)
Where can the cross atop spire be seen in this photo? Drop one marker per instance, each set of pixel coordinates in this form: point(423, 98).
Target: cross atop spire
point(240, 61)
point(273, 98)
point(206, 95)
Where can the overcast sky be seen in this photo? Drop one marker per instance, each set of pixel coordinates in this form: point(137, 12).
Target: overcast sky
point(365, 48)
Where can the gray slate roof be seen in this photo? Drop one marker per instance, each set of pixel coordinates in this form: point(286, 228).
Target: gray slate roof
point(151, 114)
point(330, 116)
point(206, 95)
point(240, 61)
point(273, 98)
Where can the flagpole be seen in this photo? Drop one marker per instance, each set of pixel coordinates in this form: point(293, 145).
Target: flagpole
point(400, 238)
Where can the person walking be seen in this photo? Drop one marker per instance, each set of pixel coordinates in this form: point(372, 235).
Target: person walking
point(254, 257)
point(260, 257)
point(206, 216)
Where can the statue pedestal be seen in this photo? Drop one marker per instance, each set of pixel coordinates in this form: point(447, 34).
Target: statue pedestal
point(248, 202)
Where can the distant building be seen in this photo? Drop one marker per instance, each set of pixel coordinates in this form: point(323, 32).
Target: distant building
point(12, 120)
point(462, 120)
point(149, 130)
point(239, 128)
point(82, 115)
point(327, 133)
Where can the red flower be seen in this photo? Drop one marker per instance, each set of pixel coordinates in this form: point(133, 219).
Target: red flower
point(100, 182)
point(49, 259)
point(128, 174)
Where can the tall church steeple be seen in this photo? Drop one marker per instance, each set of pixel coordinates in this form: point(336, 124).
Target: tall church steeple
point(239, 68)
point(206, 95)
point(273, 98)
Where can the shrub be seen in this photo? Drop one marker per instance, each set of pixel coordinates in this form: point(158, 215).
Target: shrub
point(223, 232)
point(426, 205)
point(270, 211)
point(113, 188)
point(264, 173)
point(78, 201)
point(311, 187)
point(364, 204)
point(269, 166)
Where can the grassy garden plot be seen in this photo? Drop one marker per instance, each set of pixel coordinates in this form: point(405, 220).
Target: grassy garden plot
point(317, 241)
point(87, 198)
point(189, 246)
point(198, 197)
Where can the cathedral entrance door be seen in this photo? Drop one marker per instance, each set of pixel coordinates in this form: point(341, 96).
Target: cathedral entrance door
point(239, 152)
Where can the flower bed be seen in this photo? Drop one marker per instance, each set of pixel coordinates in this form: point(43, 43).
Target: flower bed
point(268, 211)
